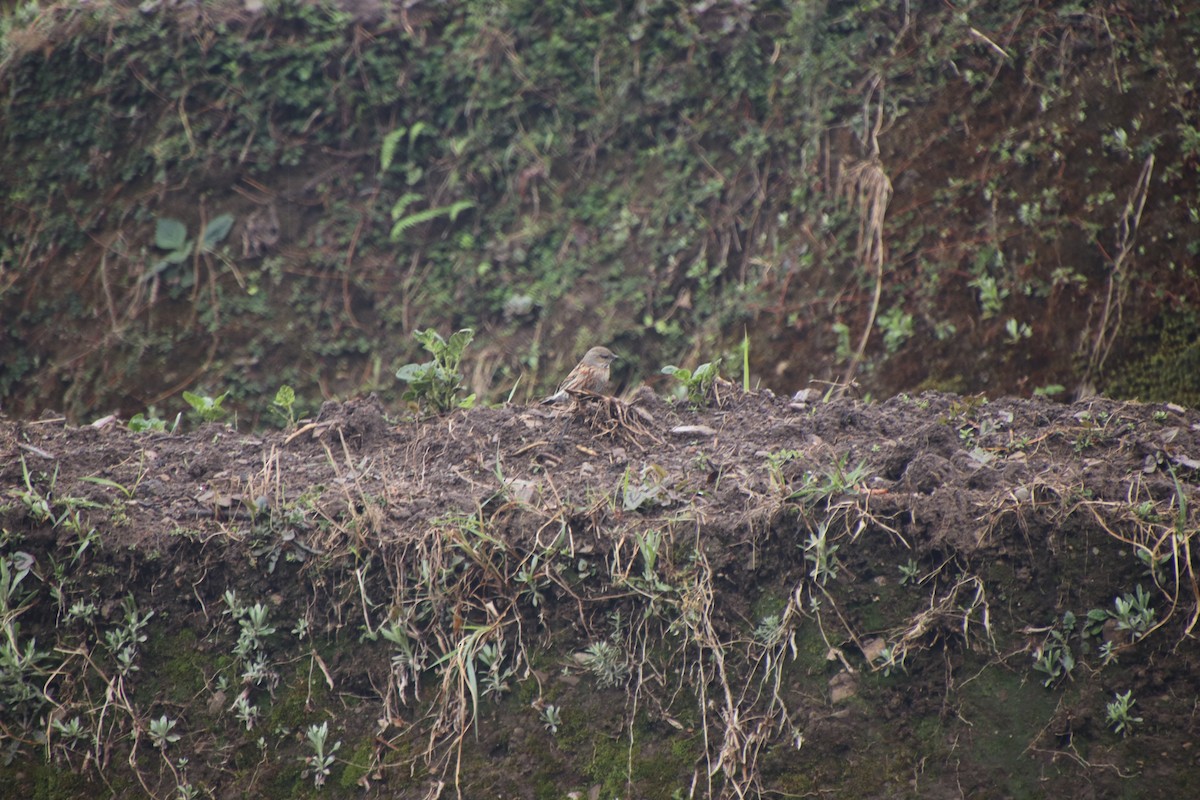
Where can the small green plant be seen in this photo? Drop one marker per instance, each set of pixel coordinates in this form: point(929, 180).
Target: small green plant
point(817, 488)
point(495, 674)
point(21, 663)
point(320, 761)
point(532, 577)
point(149, 421)
point(250, 650)
point(770, 631)
point(897, 327)
point(1154, 563)
point(1054, 659)
point(37, 505)
point(122, 641)
point(843, 350)
point(991, 295)
point(551, 718)
point(284, 405)
point(207, 407)
point(606, 662)
point(909, 572)
point(775, 463)
point(1049, 390)
point(890, 661)
point(437, 382)
point(73, 733)
point(1118, 714)
point(1015, 331)
point(1132, 612)
point(246, 712)
point(387, 151)
point(821, 554)
point(697, 383)
point(649, 546)
point(408, 658)
point(162, 732)
point(171, 236)
point(402, 220)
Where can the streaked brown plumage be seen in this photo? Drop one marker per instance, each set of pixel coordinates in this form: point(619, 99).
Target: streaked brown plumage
point(589, 376)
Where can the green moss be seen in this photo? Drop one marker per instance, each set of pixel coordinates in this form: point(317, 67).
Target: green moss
point(1164, 362)
point(176, 664)
point(1005, 711)
point(358, 764)
point(297, 697)
point(39, 781)
point(766, 604)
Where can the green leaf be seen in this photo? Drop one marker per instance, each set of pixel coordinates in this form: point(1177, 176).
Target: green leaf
point(417, 129)
point(216, 230)
point(410, 373)
point(406, 200)
point(458, 345)
point(431, 340)
point(458, 208)
point(285, 397)
point(403, 224)
point(169, 234)
point(387, 153)
point(179, 256)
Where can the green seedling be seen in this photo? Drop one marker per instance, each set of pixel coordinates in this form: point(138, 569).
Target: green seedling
point(170, 235)
point(437, 383)
point(551, 718)
point(284, 405)
point(161, 732)
point(607, 663)
point(1119, 716)
point(698, 382)
point(837, 480)
point(320, 761)
point(209, 408)
point(821, 554)
point(1132, 612)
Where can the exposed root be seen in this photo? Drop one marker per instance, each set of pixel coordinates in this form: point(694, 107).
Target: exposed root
point(611, 417)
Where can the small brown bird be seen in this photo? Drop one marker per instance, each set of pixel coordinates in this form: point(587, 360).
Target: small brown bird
point(589, 376)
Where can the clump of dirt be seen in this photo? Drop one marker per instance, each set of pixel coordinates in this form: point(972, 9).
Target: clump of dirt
point(930, 596)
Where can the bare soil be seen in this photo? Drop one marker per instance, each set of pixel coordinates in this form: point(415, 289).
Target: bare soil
point(609, 601)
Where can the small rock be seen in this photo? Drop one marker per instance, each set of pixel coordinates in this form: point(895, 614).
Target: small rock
point(842, 687)
point(873, 649)
point(693, 430)
point(1113, 634)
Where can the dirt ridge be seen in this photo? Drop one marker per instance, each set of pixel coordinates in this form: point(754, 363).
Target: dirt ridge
point(761, 595)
